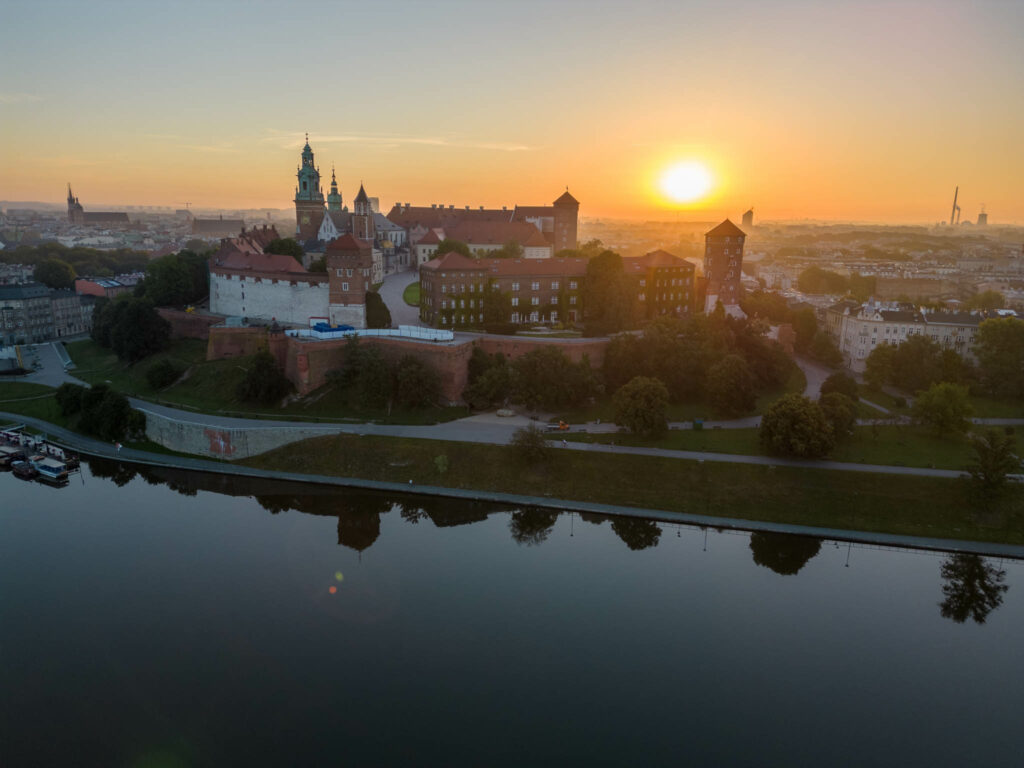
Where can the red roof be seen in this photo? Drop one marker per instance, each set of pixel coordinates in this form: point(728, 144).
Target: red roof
point(496, 233)
point(726, 229)
point(567, 199)
point(453, 262)
point(231, 257)
point(348, 242)
point(430, 238)
point(533, 211)
point(660, 258)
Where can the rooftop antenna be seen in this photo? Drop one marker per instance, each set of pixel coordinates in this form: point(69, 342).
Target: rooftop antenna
point(953, 212)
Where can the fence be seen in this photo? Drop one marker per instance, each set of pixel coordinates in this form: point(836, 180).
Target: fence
point(402, 332)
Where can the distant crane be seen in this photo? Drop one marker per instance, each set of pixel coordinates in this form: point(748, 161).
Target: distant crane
point(956, 208)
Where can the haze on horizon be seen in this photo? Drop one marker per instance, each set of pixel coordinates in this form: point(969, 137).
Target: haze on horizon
point(838, 111)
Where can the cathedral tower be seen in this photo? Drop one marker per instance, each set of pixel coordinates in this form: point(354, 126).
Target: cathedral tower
point(309, 197)
point(76, 214)
point(334, 196)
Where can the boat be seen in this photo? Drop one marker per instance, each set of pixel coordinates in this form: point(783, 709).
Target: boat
point(25, 470)
point(50, 470)
point(9, 454)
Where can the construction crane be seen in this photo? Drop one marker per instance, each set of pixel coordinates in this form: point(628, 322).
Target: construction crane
point(956, 208)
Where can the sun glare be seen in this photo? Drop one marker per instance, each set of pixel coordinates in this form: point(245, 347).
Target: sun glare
point(686, 182)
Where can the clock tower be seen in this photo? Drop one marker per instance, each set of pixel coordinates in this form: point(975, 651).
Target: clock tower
point(309, 197)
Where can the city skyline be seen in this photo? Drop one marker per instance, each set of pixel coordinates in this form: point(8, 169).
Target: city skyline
point(851, 112)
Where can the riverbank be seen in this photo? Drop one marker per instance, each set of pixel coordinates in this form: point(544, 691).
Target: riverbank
point(892, 510)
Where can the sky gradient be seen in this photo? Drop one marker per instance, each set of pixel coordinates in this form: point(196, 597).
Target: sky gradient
point(833, 111)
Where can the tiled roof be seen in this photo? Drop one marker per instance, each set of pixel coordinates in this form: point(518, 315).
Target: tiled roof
point(430, 238)
point(24, 291)
point(432, 218)
point(496, 233)
point(567, 199)
point(726, 229)
point(533, 211)
point(216, 226)
point(348, 242)
point(660, 258)
point(453, 262)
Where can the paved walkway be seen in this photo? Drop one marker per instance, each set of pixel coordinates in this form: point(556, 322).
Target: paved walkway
point(92, 447)
point(391, 291)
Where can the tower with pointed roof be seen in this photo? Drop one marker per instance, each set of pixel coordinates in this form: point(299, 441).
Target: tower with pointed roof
point(723, 262)
point(76, 214)
point(309, 196)
point(363, 225)
point(567, 210)
point(334, 196)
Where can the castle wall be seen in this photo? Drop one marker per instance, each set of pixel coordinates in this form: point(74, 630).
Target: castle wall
point(234, 342)
point(289, 301)
point(185, 325)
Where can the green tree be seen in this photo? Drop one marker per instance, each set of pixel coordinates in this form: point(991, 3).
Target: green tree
point(374, 382)
point(994, 461)
point(972, 588)
point(805, 325)
point(816, 280)
point(917, 363)
point(286, 246)
point(55, 273)
point(999, 347)
point(840, 413)
point(878, 368)
point(784, 553)
point(264, 381)
point(377, 313)
point(843, 383)
point(131, 327)
point(608, 296)
point(824, 349)
point(319, 265)
point(108, 415)
point(69, 398)
point(417, 385)
point(510, 250)
point(796, 426)
point(448, 245)
point(163, 374)
point(944, 407)
point(731, 386)
point(640, 406)
point(546, 378)
point(530, 445)
point(176, 279)
point(492, 387)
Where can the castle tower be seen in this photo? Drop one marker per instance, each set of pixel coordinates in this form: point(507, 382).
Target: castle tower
point(334, 196)
point(309, 197)
point(349, 273)
point(76, 214)
point(363, 225)
point(723, 260)
point(567, 210)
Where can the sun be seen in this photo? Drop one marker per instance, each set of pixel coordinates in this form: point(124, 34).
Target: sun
point(686, 182)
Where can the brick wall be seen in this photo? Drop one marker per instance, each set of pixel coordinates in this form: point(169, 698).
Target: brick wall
point(234, 342)
point(185, 325)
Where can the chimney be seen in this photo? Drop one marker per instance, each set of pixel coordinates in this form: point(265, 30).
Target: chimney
point(481, 207)
point(433, 206)
point(451, 207)
point(467, 207)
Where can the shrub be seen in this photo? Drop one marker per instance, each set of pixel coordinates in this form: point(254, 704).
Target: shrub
point(530, 444)
point(264, 382)
point(163, 374)
point(840, 412)
point(796, 426)
point(842, 383)
point(640, 406)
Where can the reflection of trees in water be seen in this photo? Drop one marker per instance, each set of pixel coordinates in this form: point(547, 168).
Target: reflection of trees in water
point(121, 474)
point(972, 590)
point(531, 526)
point(636, 532)
point(444, 512)
point(784, 553)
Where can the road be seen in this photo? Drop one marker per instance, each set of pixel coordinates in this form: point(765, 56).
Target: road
point(391, 292)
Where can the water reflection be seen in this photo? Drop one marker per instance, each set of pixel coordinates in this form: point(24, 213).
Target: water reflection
point(784, 553)
point(973, 588)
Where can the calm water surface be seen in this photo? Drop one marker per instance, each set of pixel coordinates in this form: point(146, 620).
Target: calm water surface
point(170, 619)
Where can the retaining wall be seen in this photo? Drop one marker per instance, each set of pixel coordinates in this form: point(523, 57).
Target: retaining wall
point(220, 443)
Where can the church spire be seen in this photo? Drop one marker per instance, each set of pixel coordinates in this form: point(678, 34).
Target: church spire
point(334, 198)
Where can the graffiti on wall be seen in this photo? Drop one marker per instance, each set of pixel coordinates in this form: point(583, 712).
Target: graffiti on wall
point(220, 442)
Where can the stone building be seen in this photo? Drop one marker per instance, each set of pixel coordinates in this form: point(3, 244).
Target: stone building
point(723, 263)
point(105, 219)
point(26, 314)
point(454, 290)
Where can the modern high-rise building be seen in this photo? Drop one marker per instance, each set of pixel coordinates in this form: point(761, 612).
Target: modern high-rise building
point(723, 262)
point(748, 218)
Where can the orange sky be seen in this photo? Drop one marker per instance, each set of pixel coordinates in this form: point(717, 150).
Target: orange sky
point(854, 111)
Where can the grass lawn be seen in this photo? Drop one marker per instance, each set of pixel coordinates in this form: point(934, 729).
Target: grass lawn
point(411, 294)
point(209, 386)
point(896, 445)
point(24, 398)
point(17, 390)
point(894, 504)
point(987, 408)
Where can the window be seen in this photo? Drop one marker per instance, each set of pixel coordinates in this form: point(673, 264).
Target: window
point(515, 301)
point(340, 272)
point(344, 286)
point(572, 285)
point(643, 283)
point(554, 301)
point(535, 301)
point(572, 299)
point(554, 285)
point(444, 304)
point(514, 317)
point(444, 288)
point(534, 286)
point(515, 286)
point(554, 317)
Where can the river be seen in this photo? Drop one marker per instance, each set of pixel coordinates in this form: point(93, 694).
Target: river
point(184, 619)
